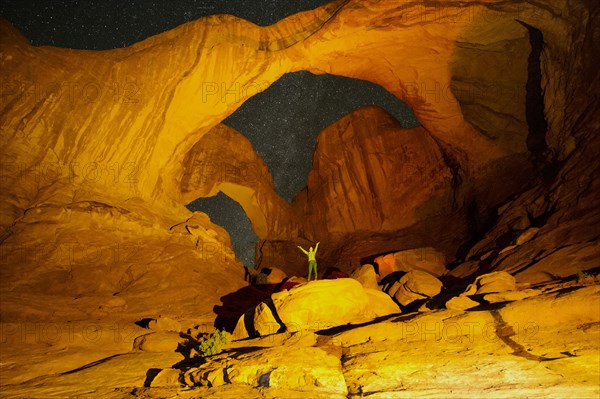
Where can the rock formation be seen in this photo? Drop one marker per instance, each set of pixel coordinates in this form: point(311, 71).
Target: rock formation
point(100, 154)
point(224, 160)
point(427, 259)
point(86, 129)
point(317, 305)
point(519, 155)
point(415, 286)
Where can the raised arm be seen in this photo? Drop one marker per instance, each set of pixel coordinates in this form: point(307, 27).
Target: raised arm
point(303, 250)
point(317, 247)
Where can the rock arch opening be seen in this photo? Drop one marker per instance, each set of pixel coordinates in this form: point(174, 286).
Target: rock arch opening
point(283, 121)
point(228, 214)
point(260, 156)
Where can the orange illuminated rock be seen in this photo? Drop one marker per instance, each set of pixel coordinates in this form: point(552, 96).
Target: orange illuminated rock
point(224, 160)
point(490, 283)
point(369, 173)
point(366, 276)
point(90, 259)
point(94, 178)
point(461, 302)
point(110, 126)
point(415, 285)
point(317, 305)
point(427, 259)
point(310, 372)
point(371, 182)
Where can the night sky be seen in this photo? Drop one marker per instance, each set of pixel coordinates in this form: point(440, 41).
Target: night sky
point(303, 103)
point(106, 24)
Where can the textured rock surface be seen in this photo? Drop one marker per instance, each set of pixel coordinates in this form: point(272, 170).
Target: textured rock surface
point(426, 259)
point(518, 342)
point(544, 346)
point(162, 341)
point(301, 369)
point(491, 282)
point(415, 285)
point(316, 305)
point(94, 148)
point(72, 260)
point(224, 160)
point(372, 176)
point(475, 121)
point(366, 276)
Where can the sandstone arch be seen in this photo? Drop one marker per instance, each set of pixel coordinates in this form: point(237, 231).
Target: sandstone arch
point(224, 160)
point(146, 106)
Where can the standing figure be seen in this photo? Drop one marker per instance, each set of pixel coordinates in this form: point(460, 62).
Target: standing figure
point(312, 261)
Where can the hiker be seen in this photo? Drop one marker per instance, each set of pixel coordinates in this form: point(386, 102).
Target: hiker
point(312, 261)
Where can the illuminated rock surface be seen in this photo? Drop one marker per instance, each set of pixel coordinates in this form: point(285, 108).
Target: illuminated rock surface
point(426, 259)
point(545, 346)
point(96, 152)
point(224, 160)
point(416, 285)
point(366, 276)
point(316, 305)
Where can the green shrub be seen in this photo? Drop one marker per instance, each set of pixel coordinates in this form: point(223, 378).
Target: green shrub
point(214, 344)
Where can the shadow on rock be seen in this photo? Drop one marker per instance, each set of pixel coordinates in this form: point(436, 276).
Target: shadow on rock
point(237, 303)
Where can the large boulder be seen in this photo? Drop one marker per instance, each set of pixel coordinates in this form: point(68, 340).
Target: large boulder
point(426, 259)
point(314, 306)
point(415, 285)
point(366, 276)
point(491, 282)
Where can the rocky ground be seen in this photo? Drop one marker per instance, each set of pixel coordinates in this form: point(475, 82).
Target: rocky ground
point(543, 346)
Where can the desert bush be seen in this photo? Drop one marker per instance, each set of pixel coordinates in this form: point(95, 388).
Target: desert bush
point(214, 344)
